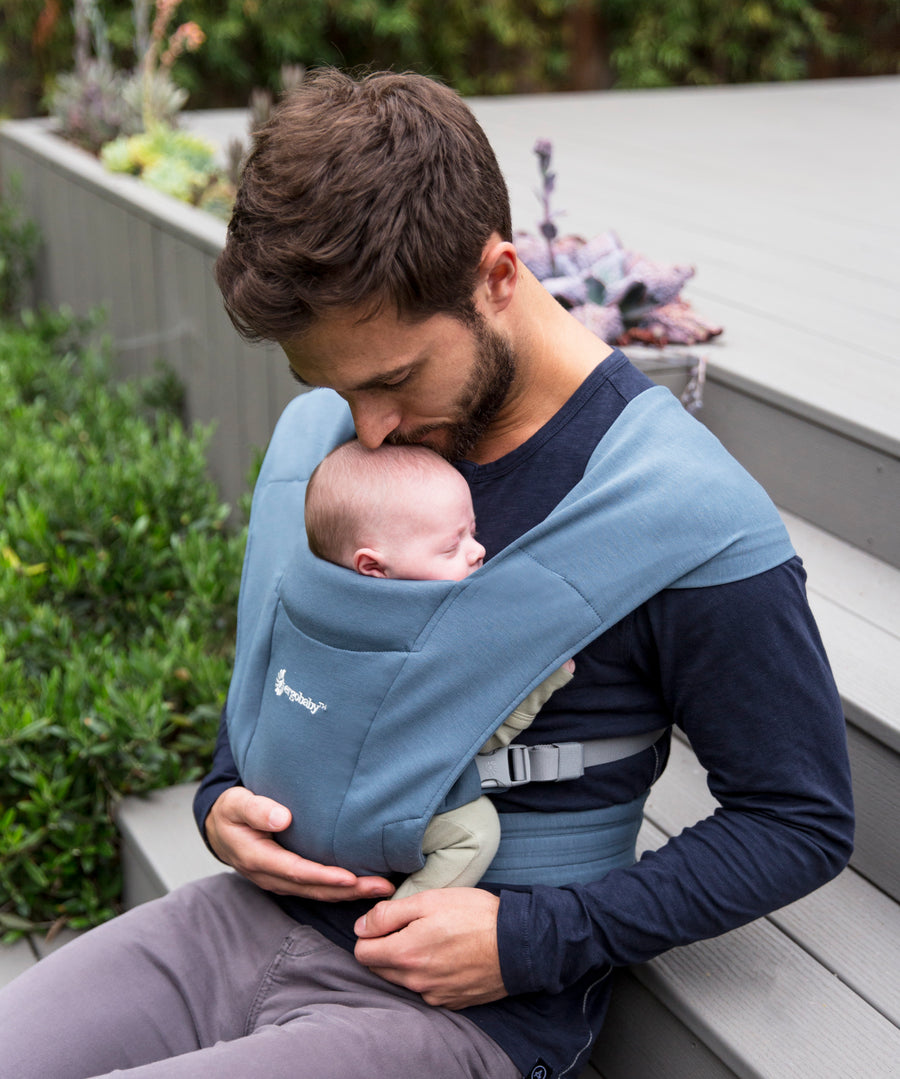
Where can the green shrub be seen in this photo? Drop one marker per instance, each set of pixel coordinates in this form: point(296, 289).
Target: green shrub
point(706, 42)
point(493, 47)
point(118, 583)
point(19, 240)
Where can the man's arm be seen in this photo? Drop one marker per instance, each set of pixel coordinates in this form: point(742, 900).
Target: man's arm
point(742, 670)
point(239, 828)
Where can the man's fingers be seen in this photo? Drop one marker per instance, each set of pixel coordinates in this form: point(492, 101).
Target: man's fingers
point(268, 858)
point(257, 811)
point(240, 828)
point(385, 918)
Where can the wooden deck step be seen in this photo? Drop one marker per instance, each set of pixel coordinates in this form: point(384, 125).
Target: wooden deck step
point(845, 480)
point(15, 959)
point(764, 1008)
point(811, 992)
point(850, 925)
point(856, 601)
point(161, 847)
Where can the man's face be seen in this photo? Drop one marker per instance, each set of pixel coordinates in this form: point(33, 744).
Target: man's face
point(438, 382)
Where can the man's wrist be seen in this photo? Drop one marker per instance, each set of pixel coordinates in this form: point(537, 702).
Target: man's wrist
point(514, 944)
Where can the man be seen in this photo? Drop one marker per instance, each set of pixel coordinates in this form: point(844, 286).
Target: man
point(371, 238)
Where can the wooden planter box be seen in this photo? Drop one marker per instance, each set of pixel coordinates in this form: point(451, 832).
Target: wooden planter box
point(148, 259)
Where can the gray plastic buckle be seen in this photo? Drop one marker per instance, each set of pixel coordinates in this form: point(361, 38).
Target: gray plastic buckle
point(509, 766)
point(513, 765)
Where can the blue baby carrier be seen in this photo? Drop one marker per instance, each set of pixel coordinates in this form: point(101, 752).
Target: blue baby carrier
point(360, 703)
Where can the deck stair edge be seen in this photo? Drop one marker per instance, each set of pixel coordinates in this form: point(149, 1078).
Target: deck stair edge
point(810, 991)
point(767, 1008)
point(855, 598)
point(813, 464)
point(161, 847)
point(850, 926)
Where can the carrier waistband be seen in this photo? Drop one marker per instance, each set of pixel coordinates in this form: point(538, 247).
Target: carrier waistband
point(565, 848)
point(551, 762)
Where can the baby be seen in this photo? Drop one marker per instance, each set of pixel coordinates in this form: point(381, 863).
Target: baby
point(403, 512)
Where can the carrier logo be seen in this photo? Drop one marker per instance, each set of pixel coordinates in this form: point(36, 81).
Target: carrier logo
point(283, 689)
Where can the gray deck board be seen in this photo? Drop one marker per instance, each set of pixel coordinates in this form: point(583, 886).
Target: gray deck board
point(161, 847)
point(15, 959)
point(856, 601)
point(781, 196)
point(853, 929)
point(808, 464)
point(849, 926)
point(866, 663)
point(768, 1009)
point(848, 576)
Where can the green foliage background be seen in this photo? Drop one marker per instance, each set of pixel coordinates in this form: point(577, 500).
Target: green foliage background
point(118, 587)
point(497, 46)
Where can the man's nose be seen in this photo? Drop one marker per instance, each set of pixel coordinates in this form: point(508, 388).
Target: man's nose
point(374, 421)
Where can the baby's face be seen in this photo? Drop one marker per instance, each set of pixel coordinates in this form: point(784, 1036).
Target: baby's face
point(435, 540)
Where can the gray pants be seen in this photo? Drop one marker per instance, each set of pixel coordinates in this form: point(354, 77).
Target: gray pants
point(215, 981)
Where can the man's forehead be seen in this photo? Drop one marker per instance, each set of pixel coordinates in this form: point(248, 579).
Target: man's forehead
point(350, 355)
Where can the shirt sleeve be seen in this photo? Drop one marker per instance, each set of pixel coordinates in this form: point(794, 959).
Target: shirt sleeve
point(743, 672)
point(222, 775)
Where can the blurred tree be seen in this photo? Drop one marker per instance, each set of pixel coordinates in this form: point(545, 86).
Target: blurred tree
point(702, 42)
point(495, 46)
point(31, 49)
point(870, 33)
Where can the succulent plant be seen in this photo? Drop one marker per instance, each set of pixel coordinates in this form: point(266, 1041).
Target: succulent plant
point(621, 296)
point(175, 177)
point(155, 95)
point(176, 162)
point(96, 102)
point(91, 107)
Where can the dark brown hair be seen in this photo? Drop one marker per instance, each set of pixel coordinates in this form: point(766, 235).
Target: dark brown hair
point(361, 194)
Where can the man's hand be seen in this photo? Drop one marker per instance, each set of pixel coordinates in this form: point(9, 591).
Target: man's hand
point(440, 943)
point(239, 828)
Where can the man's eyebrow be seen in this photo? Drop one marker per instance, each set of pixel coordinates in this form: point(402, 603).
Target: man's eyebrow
point(383, 378)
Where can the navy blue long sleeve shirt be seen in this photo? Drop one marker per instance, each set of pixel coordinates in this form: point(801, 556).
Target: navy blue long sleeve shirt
point(740, 668)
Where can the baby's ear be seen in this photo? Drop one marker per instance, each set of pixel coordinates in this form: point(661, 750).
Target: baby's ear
point(369, 563)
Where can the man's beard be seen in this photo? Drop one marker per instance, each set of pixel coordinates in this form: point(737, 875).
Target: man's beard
point(492, 377)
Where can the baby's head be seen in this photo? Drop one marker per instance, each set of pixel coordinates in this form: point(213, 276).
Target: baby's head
point(398, 511)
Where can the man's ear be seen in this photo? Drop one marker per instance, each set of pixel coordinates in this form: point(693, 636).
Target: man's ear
point(498, 273)
point(369, 563)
